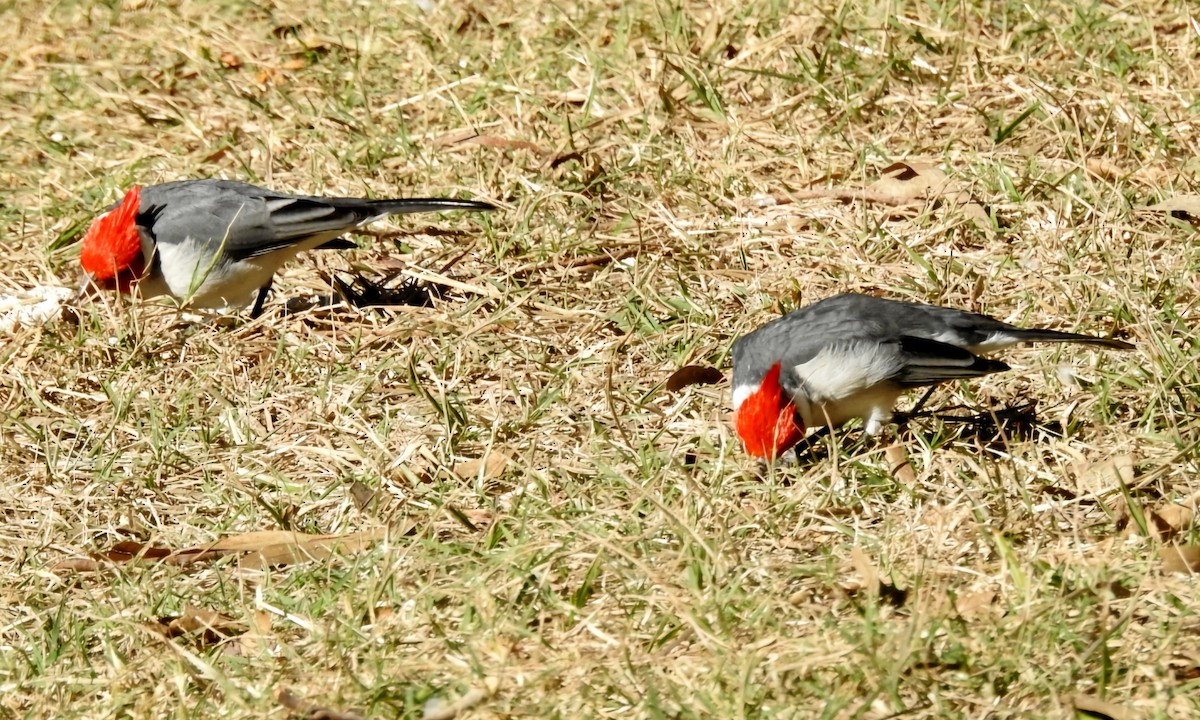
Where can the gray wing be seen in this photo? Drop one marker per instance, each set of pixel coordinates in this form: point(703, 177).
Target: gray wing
point(921, 344)
point(973, 331)
point(929, 362)
point(801, 335)
point(253, 221)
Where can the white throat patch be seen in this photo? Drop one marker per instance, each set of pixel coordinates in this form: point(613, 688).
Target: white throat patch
point(741, 392)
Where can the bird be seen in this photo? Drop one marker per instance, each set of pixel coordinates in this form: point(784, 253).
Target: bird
point(853, 356)
point(215, 243)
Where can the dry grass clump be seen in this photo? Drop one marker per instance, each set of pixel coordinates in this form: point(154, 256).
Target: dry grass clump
point(566, 538)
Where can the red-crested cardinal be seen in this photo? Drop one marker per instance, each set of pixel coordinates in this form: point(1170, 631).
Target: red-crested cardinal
point(212, 243)
point(852, 356)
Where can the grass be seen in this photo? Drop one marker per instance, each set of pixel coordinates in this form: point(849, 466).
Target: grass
point(661, 169)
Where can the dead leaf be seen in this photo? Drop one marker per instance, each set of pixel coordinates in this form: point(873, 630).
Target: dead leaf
point(1102, 708)
point(308, 711)
point(911, 181)
point(899, 466)
point(362, 495)
point(870, 581)
point(215, 155)
point(78, 565)
point(257, 639)
point(282, 31)
point(266, 548)
point(435, 710)
point(1184, 559)
point(379, 614)
point(1183, 207)
point(494, 141)
point(491, 466)
point(1185, 667)
point(923, 181)
point(693, 375)
point(1171, 519)
point(574, 155)
point(123, 552)
point(867, 572)
point(1104, 169)
point(971, 604)
point(229, 61)
point(269, 548)
point(128, 550)
point(1099, 476)
point(469, 518)
point(206, 627)
point(1163, 522)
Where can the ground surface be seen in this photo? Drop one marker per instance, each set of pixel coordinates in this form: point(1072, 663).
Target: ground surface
point(670, 176)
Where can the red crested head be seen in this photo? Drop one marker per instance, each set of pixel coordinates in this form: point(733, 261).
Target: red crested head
point(766, 420)
point(112, 248)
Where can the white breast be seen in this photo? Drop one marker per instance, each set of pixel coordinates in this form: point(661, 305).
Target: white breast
point(192, 272)
point(847, 381)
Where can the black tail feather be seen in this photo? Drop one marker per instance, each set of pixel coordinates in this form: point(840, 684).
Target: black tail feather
point(1034, 335)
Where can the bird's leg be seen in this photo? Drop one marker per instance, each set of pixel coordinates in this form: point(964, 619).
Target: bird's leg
point(261, 299)
point(916, 411)
point(877, 419)
point(921, 403)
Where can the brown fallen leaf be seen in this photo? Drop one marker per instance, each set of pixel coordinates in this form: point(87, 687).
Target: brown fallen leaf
point(79, 565)
point(871, 582)
point(911, 180)
point(489, 467)
point(363, 496)
point(1102, 474)
point(1104, 169)
point(971, 604)
point(846, 195)
point(899, 465)
point(128, 550)
point(1167, 521)
point(269, 548)
point(1185, 668)
point(1102, 708)
point(257, 638)
point(215, 155)
point(1163, 522)
point(263, 547)
point(693, 375)
point(308, 711)
point(1183, 207)
point(469, 136)
point(916, 181)
point(1184, 559)
point(868, 574)
point(494, 141)
point(122, 552)
point(451, 710)
point(208, 627)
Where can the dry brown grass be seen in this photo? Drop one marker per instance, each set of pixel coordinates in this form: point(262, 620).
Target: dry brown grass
point(629, 560)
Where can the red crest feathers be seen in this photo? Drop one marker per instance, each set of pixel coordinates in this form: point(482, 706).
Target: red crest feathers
point(766, 420)
point(112, 246)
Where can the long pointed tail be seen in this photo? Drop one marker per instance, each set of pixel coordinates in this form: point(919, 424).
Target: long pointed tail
point(1034, 335)
point(420, 205)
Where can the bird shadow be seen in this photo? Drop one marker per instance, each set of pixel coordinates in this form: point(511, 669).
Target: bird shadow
point(992, 428)
point(996, 427)
point(362, 292)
